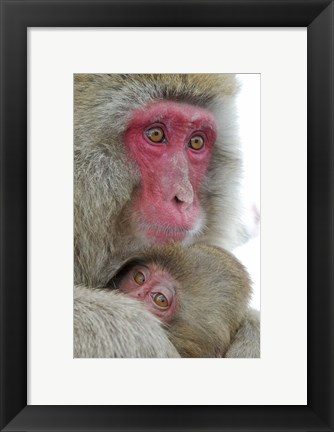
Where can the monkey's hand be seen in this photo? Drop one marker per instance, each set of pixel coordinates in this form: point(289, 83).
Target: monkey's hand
point(246, 343)
point(109, 324)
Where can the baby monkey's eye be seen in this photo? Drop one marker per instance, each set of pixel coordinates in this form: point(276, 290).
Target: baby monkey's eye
point(196, 142)
point(160, 300)
point(139, 278)
point(155, 134)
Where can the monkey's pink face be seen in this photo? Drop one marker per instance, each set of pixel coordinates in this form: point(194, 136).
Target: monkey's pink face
point(171, 143)
point(154, 287)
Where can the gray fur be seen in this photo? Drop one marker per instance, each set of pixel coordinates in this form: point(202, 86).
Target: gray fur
point(97, 333)
point(246, 343)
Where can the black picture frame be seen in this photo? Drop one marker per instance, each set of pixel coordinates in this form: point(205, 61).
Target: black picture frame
point(16, 17)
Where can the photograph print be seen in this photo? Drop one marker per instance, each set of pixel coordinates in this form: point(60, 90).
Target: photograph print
point(166, 233)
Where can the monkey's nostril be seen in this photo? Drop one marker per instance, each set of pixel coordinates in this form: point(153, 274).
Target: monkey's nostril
point(181, 204)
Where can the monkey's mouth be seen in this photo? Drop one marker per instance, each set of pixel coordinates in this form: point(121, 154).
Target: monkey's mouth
point(165, 234)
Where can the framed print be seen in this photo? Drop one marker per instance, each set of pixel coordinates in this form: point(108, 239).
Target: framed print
point(46, 402)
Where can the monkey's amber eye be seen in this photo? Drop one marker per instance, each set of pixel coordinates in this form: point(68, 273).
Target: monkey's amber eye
point(196, 142)
point(155, 134)
point(160, 300)
point(139, 278)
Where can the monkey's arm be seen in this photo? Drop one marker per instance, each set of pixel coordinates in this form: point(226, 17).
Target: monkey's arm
point(246, 343)
point(108, 324)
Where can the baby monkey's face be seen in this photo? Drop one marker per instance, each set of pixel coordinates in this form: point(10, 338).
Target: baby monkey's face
point(154, 286)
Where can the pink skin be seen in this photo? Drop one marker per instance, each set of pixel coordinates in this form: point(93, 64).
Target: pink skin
point(156, 281)
point(172, 173)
